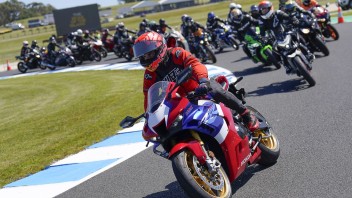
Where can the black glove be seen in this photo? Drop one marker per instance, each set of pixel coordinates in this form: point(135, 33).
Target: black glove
point(202, 88)
point(295, 21)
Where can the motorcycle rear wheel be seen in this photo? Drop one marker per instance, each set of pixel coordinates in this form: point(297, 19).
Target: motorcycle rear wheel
point(269, 146)
point(21, 67)
point(187, 169)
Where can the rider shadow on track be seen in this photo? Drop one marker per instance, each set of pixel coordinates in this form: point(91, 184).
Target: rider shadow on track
point(257, 69)
point(245, 177)
point(281, 87)
point(174, 190)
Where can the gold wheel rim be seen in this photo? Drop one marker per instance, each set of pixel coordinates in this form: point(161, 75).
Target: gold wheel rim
point(269, 142)
point(197, 178)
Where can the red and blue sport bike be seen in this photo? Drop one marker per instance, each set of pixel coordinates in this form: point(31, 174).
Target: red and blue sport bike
point(208, 144)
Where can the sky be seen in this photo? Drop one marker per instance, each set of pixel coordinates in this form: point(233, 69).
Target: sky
point(61, 4)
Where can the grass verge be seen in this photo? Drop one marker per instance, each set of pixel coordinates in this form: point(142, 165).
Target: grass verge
point(47, 117)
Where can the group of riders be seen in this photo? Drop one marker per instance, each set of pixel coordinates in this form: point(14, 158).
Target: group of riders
point(260, 17)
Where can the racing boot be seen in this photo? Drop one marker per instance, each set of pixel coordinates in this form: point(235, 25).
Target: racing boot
point(250, 120)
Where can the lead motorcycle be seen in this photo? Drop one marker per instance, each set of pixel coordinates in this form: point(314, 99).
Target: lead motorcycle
point(208, 144)
point(31, 60)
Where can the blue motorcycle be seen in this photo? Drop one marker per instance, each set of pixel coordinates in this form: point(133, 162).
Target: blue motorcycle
point(225, 37)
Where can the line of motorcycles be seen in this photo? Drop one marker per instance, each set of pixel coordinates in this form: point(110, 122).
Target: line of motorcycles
point(290, 48)
point(65, 56)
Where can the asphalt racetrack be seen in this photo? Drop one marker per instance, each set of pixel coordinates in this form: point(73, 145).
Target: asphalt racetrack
point(313, 125)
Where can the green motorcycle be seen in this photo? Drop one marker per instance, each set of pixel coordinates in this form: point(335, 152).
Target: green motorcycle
point(260, 51)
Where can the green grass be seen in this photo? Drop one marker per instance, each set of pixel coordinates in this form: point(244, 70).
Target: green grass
point(47, 117)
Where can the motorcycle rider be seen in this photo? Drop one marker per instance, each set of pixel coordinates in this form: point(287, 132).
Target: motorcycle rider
point(212, 25)
point(51, 49)
point(25, 49)
point(292, 9)
point(307, 4)
point(183, 24)
point(163, 26)
point(233, 6)
point(244, 24)
point(164, 63)
point(35, 45)
point(275, 21)
point(192, 32)
point(104, 36)
point(254, 11)
point(142, 28)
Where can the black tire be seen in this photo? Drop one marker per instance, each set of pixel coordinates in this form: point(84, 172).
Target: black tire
point(79, 60)
point(321, 45)
point(189, 179)
point(96, 55)
point(234, 43)
point(71, 62)
point(210, 54)
point(21, 67)
point(104, 52)
point(334, 34)
point(52, 68)
point(269, 146)
point(303, 70)
point(41, 66)
point(272, 58)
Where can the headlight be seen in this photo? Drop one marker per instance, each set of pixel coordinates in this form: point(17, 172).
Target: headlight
point(201, 42)
point(305, 30)
point(177, 120)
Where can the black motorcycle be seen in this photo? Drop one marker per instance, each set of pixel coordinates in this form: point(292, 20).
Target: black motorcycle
point(125, 49)
point(31, 60)
point(84, 53)
point(312, 35)
point(288, 45)
point(202, 48)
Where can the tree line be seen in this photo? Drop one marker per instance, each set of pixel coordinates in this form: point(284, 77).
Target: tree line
point(12, 10)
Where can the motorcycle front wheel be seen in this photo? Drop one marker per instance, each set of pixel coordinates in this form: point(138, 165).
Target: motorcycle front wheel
point(319, 43)
point(195, 179)
point(210, 54)
point(71, 62)
point(104, 52)
point(21, 67)
point(269, 144)
point(303, 70)
point(97, 56)
point(272, 58)
point(234, 43)
point(333, 32)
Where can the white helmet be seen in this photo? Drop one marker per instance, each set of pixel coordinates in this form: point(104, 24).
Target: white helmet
point(25, 43)
point(79, 32)
point(232, 6)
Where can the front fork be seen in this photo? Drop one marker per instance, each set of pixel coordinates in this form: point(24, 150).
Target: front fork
point(212, 163)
